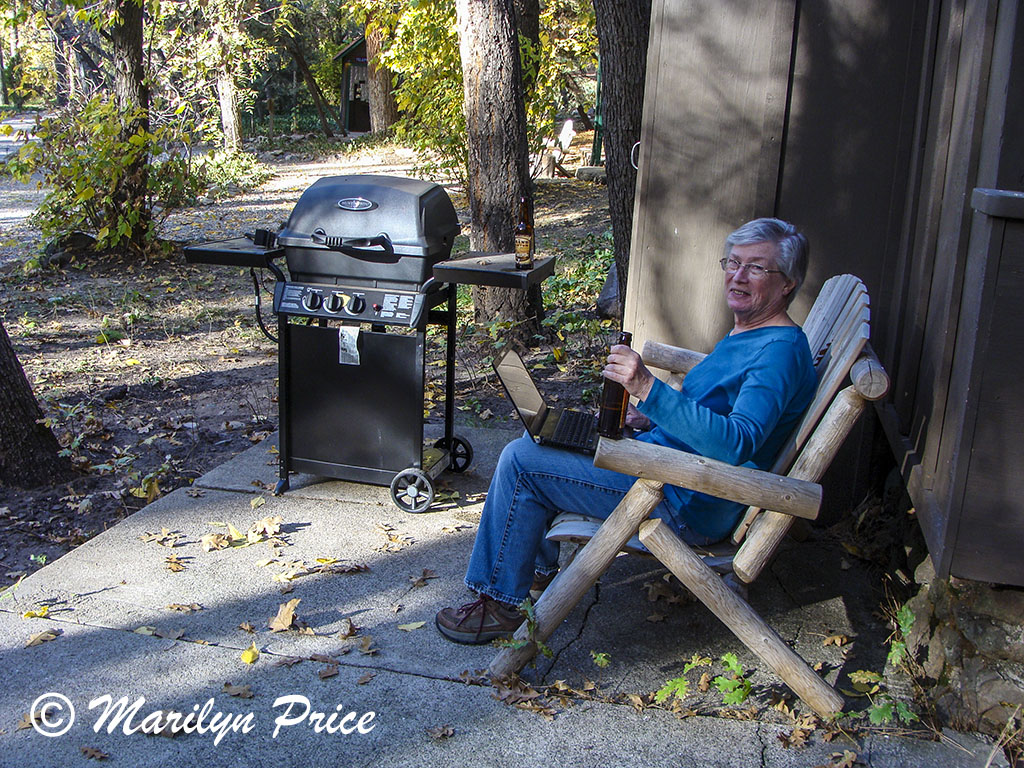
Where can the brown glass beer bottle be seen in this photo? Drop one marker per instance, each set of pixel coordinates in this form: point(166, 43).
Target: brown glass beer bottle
point(614, 401)
point(524, 237)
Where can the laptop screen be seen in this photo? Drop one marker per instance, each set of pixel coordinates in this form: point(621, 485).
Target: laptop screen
point(521, 391)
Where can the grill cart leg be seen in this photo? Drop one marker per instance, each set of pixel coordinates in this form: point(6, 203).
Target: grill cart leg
point(283, 383)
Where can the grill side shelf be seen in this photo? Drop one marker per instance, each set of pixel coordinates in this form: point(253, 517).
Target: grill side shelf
point(235, 252)
point(495, 269)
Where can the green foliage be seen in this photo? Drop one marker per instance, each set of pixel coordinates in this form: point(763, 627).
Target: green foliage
point(222, 170)
point(421, 47)
point(526, 608)
point(697, 661)
point(735, 688)
point(87, 161)
point(884, 708)
point(600, 659)
point(678, 687)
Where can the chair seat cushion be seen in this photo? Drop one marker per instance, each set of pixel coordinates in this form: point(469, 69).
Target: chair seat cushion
point(579, 529)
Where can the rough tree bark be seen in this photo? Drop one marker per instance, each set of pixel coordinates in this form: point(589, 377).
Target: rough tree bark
point(230, 122)
point(132, 98)
point(383, 108)
point(28, 449)
point(622, 32)
point(496, 138)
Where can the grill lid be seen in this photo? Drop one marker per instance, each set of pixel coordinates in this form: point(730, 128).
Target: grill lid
point(357, 213)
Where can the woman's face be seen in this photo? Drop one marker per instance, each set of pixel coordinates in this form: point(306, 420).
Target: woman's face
point(755, 301)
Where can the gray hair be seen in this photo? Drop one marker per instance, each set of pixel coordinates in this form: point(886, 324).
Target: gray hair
point(791, 246)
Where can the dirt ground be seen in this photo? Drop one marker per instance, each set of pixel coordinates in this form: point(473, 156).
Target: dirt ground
point(153, 373)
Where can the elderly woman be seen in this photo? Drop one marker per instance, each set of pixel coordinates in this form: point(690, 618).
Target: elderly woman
point(737, 405)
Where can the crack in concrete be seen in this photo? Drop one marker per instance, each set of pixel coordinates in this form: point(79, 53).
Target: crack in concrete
point(579, 634)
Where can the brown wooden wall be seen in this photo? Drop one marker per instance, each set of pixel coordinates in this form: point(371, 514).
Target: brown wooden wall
point(869, 124)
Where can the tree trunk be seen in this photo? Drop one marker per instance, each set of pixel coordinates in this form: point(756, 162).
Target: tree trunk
point(383, 107)
point(622, 32)
point(231, 125)
point(28, 449)
point(4, 99)
point(527, 21)
point(132, 98)
point(295, 49)
point(496, 148)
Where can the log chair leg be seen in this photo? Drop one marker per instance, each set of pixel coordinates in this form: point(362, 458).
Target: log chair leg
point(744, 622)
point(572, 583)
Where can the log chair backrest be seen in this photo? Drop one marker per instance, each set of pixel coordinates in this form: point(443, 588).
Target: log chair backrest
point(837, 329)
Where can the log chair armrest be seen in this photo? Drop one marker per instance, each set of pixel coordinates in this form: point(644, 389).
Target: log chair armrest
point(754, 487)
point(669, 358)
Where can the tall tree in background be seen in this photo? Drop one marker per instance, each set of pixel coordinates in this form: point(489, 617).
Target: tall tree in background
point(496, 144)
point(383, 107)
point(131, 94)
point(623, 28)
point(29, 453)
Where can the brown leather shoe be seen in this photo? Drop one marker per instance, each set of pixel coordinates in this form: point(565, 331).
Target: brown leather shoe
point(478, 622)
point(540, 583)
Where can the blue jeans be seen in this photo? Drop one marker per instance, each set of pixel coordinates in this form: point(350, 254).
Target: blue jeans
point(531, 485)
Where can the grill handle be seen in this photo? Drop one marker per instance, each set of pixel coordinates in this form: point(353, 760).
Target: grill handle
point(359, 247)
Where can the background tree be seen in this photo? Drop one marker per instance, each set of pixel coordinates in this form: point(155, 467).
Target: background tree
point(383, 107)
point(496, 147)
point(623, 27)
point(29, 453)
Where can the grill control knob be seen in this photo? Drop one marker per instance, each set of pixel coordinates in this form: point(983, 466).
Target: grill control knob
point(335, 302)
point(356, 305)
point(312, 301)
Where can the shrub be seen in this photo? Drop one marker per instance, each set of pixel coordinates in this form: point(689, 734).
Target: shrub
point(86, 160)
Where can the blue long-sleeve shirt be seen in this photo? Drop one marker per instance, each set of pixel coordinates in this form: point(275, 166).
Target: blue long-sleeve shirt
point(738, 405)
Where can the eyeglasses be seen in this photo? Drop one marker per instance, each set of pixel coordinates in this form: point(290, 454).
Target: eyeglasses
point(754, 271)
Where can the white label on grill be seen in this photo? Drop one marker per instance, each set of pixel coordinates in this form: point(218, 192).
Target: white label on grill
point(348, 345)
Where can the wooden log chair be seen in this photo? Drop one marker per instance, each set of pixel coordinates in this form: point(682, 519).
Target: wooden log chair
point(837, 330)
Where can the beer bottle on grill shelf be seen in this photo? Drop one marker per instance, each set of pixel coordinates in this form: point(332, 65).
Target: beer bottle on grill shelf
point(614, 401)
point(524, 237)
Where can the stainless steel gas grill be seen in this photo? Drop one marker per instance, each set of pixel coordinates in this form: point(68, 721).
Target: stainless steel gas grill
point(360, 252)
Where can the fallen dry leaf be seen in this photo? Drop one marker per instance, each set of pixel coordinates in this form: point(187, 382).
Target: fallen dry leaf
point(654, 618)
point(169, 634)
point(25, 722)
point(285, 617)
point(94, 754)
point(348, 629)
point(366, 678)
point(239, 691)
point(251, 654)
point(166, 537)
point(181, 608)
point(422, 579)
point(245, 626)
point(214, 541)
point(366, 646)
point(288, 661)
point(836, 640)
point(174, 563)
point(704, 683)
point(412, 626)
point(441, 732)
point(328, 671)
point(38, 613)
point(42, 637)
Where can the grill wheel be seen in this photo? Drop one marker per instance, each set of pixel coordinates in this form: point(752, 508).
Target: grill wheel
point(412, 490)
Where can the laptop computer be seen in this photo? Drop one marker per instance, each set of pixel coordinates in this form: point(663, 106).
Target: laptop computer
point(568, 429)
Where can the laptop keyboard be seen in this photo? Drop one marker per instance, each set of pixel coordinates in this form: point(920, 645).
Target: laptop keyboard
point(573, 428)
